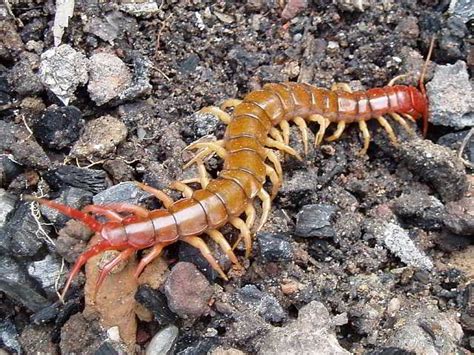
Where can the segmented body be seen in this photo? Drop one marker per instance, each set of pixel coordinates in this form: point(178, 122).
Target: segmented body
point(247, 149)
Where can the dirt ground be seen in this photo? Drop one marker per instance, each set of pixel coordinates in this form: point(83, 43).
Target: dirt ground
point(366, 255)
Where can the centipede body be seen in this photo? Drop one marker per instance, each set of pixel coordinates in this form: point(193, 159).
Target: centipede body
point(247, 149)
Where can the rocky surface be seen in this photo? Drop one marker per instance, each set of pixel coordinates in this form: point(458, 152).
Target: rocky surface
point(366, 255)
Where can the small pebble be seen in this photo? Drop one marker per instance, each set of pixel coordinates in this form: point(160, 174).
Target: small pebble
point(58, 127)
point(188, 291)
point(100, 137)
point(316, 221)
point(163, 341)
point(274, 247)
point(109, 77)
point(62, 70)
point(451, 96)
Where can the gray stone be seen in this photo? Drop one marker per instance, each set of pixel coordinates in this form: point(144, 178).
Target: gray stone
point(462, 9)
point(46, 272)
point(274, 247)
point(22, 76)
point(438, 165)
point(9, 336)
point(100, 137)
point(62, 70)
point(126, 192)
point(451, 96)
point(427, 331)
point(7, 203)
point(23, 149)
point(264, 304)
point(163, 341)
point(19, 286)
point(397, 240)
point(20, 235)
point(316, 221)
point(109, 77)
point(311, 333)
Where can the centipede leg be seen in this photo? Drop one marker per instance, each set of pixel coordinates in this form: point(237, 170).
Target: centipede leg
point(230, 103)
point(300, 122)
point(213, 146)
point(160, 195)
point(383, 122)
point(206, 253)
point(276, 163)
point(103, 211)
point(220, 240)
point(128, 208)
point(283, 147)
point(123, 256)
point(341, 125)
point(341, 86)
point(148, 258)
point(276, 135)
point(285, 130)
point(323, 124)
point(266, 206)
point(183, 188)
point(216, 111)
point(244, 234)
point(402, 123)
point(203, 154)
point(250, 215)
point(398, 77)
point(275, 180)
point(365, 135)
point(409, 117)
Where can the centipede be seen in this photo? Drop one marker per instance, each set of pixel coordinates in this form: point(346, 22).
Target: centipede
point(257, 127)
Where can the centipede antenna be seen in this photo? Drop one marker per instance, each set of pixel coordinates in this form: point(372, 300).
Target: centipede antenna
point(88, 220)
point(425, 66)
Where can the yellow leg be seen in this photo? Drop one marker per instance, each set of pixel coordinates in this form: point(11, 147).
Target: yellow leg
point(216, 147)
point(209, 148)
point(402, 123)
point(341, 125)
point(341, 87)
point(266, 206)
point(250, 215)
point(323, 124)
point(399, 77)
point(230, 103)
point(216, 111)
point(206, 253)
point(271, 156)
point(366, 136)
point(391, 135)
point(285, 130)
point(183, 188)
point(160, 195)
point(276, 135)
point(276, 182)
point(283, 147)
point(220, 240)
point(244, 234)
point(304, 132)
point(408, 117)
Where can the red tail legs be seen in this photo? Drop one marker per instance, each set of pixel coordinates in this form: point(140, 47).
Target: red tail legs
point(83, 217)
point(123, 256)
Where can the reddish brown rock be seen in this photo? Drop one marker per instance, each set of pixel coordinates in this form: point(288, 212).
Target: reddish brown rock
point(188, 291)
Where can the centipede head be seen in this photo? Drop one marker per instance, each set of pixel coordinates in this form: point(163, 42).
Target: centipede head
point(420, 102)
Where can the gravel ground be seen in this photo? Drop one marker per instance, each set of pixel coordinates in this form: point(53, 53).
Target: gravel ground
point(366, 255)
